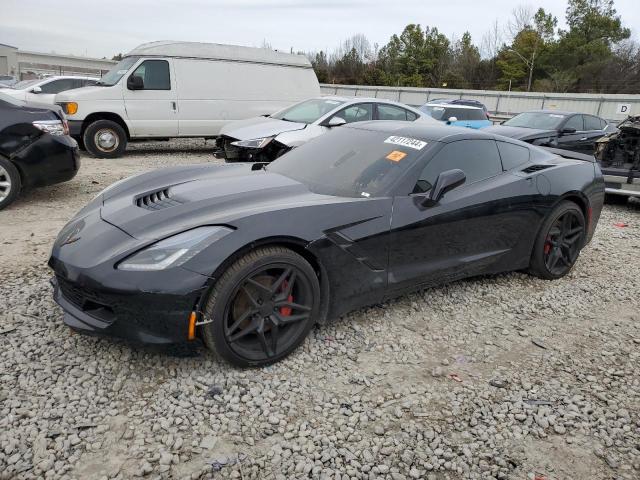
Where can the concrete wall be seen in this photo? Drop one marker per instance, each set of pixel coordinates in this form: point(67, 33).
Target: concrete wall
point(608, 106)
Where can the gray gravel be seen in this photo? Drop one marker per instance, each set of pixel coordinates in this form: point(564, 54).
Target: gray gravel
point(506, 377)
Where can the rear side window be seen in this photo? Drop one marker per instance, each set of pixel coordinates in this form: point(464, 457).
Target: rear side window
point(512, 156)
point(592, 123)
point(474, 114)
point(411, 116)
point(57, 86)
point(478, 159)
point(391, 112)
point(155, 74)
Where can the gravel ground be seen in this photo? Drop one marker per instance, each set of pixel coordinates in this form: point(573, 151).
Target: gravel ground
point(505, 377)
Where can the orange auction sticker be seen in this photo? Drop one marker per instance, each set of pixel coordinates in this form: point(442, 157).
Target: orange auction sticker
point(396, 156)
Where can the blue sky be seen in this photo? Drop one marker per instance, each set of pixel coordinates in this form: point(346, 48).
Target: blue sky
point(98, 29)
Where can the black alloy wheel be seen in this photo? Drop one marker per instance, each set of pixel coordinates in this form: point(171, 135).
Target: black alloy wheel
point(262, 307)
point(559, 242)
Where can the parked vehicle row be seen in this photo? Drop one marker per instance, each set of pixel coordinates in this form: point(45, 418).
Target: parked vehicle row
point(248, 257)
point(44, 90)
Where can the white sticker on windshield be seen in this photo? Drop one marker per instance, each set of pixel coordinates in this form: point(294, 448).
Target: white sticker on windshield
point(406, 142)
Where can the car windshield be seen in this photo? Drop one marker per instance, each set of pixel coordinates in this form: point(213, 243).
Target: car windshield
point(308, 111)
point(24, 84)
point(539, 120)
point(442, 113)
point(114, 75)
point(350, 162)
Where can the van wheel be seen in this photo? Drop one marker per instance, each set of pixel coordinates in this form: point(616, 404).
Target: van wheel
point(105, 139)
point(10, 183)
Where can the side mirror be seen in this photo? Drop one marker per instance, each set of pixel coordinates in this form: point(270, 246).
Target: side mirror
point(450, 120)
point(335, 122)
point(568, 131)
point(446, 181)
point(36, 90)
point(135, 82)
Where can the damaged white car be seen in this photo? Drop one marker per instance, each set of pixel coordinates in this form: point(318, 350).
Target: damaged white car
point(263, 139)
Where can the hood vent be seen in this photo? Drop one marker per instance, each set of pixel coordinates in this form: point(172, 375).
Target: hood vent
point(158, 200)
point(536, 168)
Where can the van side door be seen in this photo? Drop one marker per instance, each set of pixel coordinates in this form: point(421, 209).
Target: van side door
point(151, 105)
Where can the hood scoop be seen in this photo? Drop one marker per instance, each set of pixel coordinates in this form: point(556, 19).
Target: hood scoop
point(158, 200)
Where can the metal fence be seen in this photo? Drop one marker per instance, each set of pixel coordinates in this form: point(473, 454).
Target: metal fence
point(613, 107)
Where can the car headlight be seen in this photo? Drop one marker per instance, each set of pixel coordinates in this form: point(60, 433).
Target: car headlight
point(174, 251)
point(253, 143)
point(52, 127)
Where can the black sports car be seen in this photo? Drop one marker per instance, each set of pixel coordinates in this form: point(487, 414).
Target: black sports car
point(573, 131)
point(248, 257)
point(35, 147)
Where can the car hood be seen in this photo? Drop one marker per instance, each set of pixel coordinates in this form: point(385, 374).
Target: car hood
point(519, 133)
point(199, 195)
point(259, 127)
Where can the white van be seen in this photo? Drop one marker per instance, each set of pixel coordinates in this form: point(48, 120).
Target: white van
point(162, 90)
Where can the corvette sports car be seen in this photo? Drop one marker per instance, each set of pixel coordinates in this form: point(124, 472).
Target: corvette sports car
point(248, 257)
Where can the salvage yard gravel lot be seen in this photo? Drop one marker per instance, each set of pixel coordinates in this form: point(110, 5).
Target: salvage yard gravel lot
point(507, 377)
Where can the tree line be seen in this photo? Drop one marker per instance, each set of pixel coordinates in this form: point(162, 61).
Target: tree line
point(595, 54)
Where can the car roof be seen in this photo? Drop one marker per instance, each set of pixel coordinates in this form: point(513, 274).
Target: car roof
point(452, 105)
point(58, 77)
point(423, 131)
point(558, 112)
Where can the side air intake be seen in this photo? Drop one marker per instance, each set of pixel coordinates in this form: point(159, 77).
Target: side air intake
point(158, 200)
point(536, 168)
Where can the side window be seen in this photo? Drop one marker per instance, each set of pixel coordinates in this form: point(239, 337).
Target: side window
point(391, 112)
point(57, 86)
point(411, 116)
point(478, 159)
point(603, 124)
point(591, 123)
point(155, 74)
point(575, 122)
point(512, 155)
point(88, 83)
point(360, 112)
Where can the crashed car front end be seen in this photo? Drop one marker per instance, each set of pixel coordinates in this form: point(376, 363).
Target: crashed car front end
point(265, 149)
point(619, 157)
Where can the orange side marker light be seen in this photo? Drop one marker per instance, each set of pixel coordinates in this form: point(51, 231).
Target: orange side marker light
point(192, 326)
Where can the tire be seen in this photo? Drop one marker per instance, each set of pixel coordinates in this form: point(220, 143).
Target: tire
point(10, 183)
point(256, 300)
point(559, 242)
point(105, 139)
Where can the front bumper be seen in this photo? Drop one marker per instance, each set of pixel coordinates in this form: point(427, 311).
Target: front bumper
point(48, 161)
point(75, 128)
point(98, 299)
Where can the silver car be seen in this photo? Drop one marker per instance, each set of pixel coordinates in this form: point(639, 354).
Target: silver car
point(263, 139)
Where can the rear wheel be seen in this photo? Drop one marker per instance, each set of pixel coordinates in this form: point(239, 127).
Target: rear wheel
point(559, 242)
point(262, 307)
point(10, 183)
point(105, 139)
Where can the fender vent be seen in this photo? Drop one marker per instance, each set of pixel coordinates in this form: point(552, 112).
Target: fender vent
point(536, 168)
point(157, 200)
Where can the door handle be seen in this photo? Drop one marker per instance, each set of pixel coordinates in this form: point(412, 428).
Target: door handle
point(173, 105)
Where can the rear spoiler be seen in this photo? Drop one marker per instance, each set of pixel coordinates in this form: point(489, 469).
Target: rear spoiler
point(571, 155)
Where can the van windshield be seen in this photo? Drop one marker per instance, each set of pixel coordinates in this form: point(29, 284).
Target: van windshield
point(114, 75)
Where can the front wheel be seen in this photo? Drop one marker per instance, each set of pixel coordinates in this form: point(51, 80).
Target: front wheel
point(105, 139)
point(559, 242)
point(10, 183)
point(262, 307)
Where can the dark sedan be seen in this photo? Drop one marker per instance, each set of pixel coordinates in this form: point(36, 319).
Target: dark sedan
point(248, 257)
point(573, 131)
point(35, 147)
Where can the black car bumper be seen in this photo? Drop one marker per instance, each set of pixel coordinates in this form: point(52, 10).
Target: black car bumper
point(48, 160)
point(99, 299)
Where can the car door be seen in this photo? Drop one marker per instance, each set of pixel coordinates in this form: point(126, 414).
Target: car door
point(49, 90)
point(152, 110)
point(593, 130)
point(571, 140)
point(468, 232)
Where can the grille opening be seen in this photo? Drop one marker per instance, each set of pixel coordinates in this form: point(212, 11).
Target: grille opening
point(536, 168)
point(157, 200)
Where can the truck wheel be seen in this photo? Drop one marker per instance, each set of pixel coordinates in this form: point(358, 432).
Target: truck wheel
point(10, 183)
point(105, 139)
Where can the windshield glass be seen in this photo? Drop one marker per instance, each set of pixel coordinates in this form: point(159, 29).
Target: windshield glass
point(540, 120)
point(308, 111)
point(24, 84)
point(350, 162)
point(114, 75)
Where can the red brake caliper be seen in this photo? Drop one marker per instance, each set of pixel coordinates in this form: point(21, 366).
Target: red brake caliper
point(286, 311)
point(547, 245)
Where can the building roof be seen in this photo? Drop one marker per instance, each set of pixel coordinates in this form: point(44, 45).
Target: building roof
point(219, 52)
